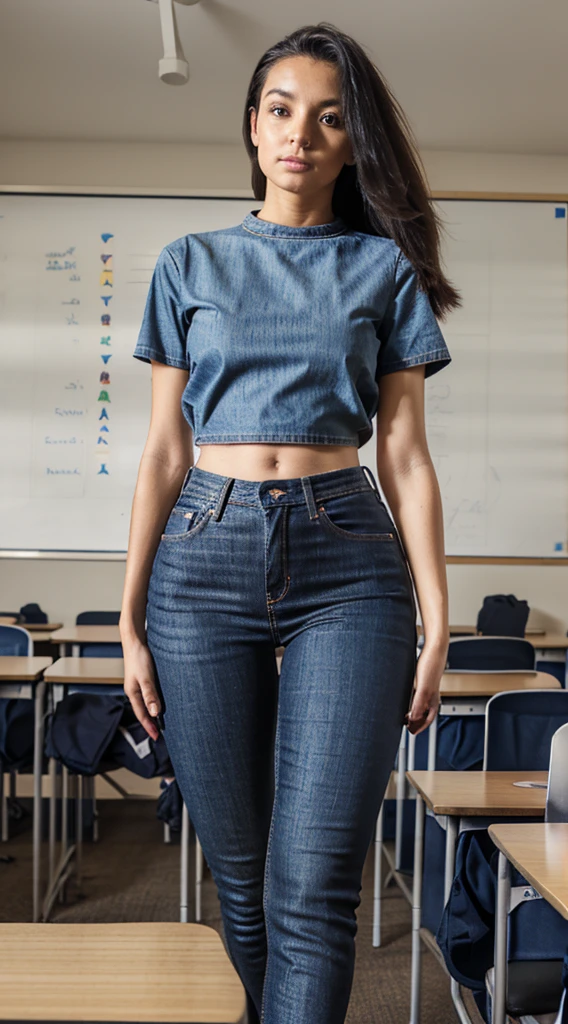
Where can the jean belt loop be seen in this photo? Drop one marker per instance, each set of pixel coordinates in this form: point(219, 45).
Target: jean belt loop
point(309, 496)
point(187, 475)
point(368, 473)
point(223, 497)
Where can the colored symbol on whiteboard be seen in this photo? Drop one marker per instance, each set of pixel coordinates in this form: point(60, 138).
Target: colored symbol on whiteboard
point(106, 299)
point(106, 278)
point(559, 546)
point(104, 377)
point(104, 414)
point(102, 440)
point(105, 237)
point(104, 429)
point(106, 258)
point(103, 471)
point(104, 397)
point(105, 320)
point(105, 341)
point(560, 211)
point(105, 359)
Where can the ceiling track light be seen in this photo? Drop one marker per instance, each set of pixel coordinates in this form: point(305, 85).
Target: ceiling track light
point(173, 68)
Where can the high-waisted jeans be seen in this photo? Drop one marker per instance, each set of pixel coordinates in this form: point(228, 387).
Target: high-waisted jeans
point(283, 775)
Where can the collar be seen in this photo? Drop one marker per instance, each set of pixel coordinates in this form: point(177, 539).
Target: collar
point(267, 227)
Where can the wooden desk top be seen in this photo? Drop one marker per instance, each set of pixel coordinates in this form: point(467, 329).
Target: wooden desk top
point(86, 670)
point(86, 635)
point(544, 639)
point(22, 668)
point(486, 684)
point(473, 794)
point(138, 971)
point(540, 853)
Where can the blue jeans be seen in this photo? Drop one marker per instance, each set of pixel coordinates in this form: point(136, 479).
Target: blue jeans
point(283, 776)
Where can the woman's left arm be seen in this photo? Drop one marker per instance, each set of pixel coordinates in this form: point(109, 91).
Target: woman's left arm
point(410, 486)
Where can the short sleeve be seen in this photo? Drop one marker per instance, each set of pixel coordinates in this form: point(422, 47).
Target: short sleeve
point(162, 335)
point(409, 333)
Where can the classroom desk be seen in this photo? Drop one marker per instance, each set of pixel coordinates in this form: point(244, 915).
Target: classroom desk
point(24, 678)
point(62, 673)
point(74, 636)
point(101, 671)
point(540, 853)
point(453, 796)
point(135, 971)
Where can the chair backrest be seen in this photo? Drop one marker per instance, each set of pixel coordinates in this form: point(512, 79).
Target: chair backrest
point(557, 792)
point(99, 650)
point(97, 619)
point(15, 640)
point(491, 654)
point(519, 726)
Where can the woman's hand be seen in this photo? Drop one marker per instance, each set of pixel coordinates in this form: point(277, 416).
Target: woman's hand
point(426, 698)
point(140, 685)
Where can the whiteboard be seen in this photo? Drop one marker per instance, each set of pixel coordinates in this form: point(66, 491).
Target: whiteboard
point(497, 416)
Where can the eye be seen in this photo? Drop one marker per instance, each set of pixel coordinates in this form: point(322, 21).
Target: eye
point(338, 122)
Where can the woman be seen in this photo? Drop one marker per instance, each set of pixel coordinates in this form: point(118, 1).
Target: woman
point(269, 341)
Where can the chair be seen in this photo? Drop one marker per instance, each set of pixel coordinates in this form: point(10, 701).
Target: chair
point(557, 790)
point(99, 619)
point(538, 990)
point(14, 640)
point(491, 654)
point(519, 726)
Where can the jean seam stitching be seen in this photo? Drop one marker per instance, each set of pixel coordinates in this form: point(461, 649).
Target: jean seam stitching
point(266, 886)
point(354, 536)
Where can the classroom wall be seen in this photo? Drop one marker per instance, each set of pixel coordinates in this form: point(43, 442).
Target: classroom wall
point(63, 588)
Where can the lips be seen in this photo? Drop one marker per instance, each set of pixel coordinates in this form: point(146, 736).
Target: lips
point(295, 161)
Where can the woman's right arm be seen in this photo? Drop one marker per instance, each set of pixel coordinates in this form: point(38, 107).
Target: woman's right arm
point(167, 455)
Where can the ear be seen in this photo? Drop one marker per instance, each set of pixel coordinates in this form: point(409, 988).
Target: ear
point(252, 122)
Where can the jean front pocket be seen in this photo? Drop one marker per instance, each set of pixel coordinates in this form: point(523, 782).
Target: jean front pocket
point(188, 517)
point(357, 516)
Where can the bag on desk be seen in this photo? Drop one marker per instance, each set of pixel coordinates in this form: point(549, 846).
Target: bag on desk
point(32, 613)
point(502, 615)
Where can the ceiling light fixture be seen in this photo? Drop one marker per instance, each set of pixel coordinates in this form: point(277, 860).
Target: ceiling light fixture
point(173, 68)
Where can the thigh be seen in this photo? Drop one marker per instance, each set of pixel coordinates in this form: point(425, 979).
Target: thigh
point(219, 715)
point(345, 687)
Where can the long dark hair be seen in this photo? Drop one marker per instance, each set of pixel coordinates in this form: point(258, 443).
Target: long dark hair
point(385, 192)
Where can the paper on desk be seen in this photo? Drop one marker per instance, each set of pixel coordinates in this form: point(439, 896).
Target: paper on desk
point(531, 785)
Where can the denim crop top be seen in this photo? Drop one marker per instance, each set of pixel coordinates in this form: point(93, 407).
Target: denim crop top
point(286, 331)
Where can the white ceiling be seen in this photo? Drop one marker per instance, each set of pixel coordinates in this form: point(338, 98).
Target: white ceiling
point(471, 75)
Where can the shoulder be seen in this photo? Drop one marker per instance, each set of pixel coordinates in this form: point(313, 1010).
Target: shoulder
point(196, 240)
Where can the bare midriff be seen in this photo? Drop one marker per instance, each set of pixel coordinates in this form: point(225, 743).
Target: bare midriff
point(275, 461)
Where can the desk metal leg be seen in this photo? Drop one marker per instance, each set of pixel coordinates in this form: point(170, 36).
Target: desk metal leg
point(377, 894)
point(52, 814)
point(400, 792)
point(79, 829)
point(416, 912)
point(452, 829)
point(432, 740)
point(4, 804)
point(198, 877)
point(503, 904)
point(184, 866)
point(38, 764)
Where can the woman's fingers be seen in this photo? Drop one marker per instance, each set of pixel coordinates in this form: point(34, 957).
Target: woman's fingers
point(140, 705)
point(423, 711)
point(140, 688)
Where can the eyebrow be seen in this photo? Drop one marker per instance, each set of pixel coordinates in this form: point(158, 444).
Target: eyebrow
point(290, 96)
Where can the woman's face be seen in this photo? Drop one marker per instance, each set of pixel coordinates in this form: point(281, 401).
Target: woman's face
point(299, 114)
